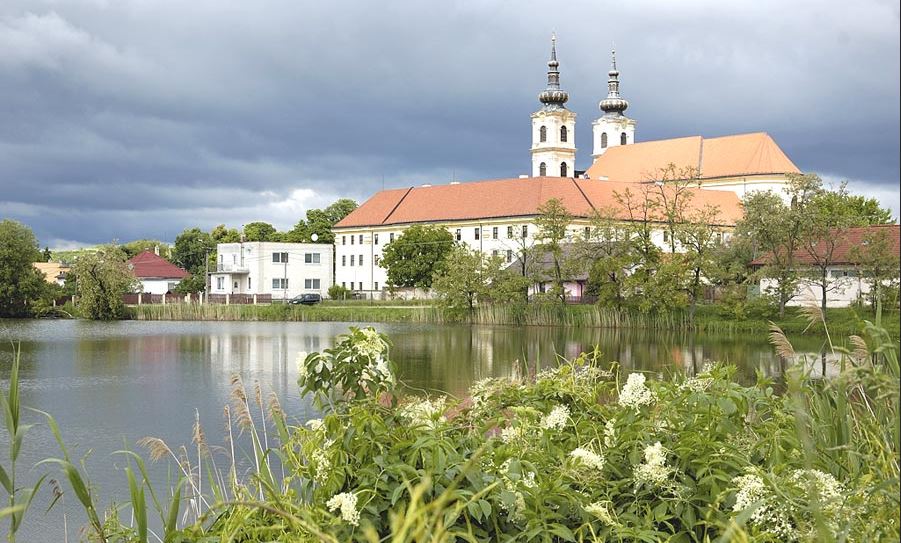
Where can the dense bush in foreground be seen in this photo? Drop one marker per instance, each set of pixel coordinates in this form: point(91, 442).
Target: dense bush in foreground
point(578, 452)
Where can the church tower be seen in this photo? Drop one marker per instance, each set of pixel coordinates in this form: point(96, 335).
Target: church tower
point(612, 128)
point(553, 127)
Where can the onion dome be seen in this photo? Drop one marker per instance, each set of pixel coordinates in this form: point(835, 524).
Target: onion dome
point(552, 97)
point(613, 105)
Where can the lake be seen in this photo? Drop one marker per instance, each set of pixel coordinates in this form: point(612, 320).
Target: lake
point(110, 384)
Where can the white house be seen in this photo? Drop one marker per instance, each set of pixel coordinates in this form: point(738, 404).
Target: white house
point(282, 270)
point(845, 286)
point(156, 274)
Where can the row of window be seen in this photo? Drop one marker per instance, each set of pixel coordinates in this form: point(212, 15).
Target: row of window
point(623, 139)
point(351, 287)
point(355, 262)
point(542, 134)
point(308, 258)
point(564, 169)
point(375, 238)
point(281, 283)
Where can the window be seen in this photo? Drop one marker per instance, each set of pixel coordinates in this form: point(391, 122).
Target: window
point(311, 258)
point(525, 231)
point(311, 284)
point(343, 240)
point(220, 283)
point(494, 232)
point(587, 232)
point(542, 134)
point(509, 232)
point(280, 283)
point(542, 169)
point(622, 139)
point(361, 260)
point(234, 259)
point(344, 260)
point(509, 255)
point(563, 171)
point(494, 252)
point(361, 285)
point(343, 284)
point(563, 134)
point(352, 259)
point(351, 240)
point(375, 260)
point(604, 140)
point(375, 239)
point(248, 283)
point(666, 236)
point(458, 235)
point(390, 237)
point(376, 285)
point(280, 257)
point(361, 239)
point(477, 232)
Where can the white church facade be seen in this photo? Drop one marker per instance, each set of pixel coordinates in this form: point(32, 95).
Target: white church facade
point(496, 217)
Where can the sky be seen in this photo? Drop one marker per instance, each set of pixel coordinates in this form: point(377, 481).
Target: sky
point(130, 119)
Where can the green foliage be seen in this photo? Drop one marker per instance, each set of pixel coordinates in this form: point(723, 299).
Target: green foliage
point(221, 234)
point(878, 265)
point(339, 292)
point(417, 255)
point(320, 222)
point(132, 248)
point(191, 251)
point(553, 222)
point(103, 277)
point(260, 231)
point(467, 278)
point(21, 284)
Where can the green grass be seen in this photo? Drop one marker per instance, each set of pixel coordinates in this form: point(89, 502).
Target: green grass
point(277, 312)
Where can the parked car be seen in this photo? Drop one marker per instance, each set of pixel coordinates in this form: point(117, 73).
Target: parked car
point(306, 299)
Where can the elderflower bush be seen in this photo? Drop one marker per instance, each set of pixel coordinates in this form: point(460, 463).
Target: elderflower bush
point(571, 455)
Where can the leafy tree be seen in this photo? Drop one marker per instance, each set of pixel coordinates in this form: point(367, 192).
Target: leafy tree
point(132, 248)
point(698, 238)
point(103, 277)
point(221, 234)
point(321, 222)
point(877, 262)
point(868, 210)
point(47, 256)
point(190, 252)
point(462, 280)
point(553, 222)
point(641, 210)
point(338, 292)
point(672, 188)
point(605, 250)
point(260, 231)
point(21, 284)
point(416, 255)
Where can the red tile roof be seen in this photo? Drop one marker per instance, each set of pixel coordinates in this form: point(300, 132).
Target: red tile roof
point(727, 156)
point(518, 197)
point(148, 265)
point(847, 239)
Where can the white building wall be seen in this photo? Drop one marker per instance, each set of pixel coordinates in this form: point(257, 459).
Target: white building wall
point(613, 127)
point(158, 285)
point(743, 186)
point(249, 268)
point(553, 151)
point(847, 288)
point(501, 237)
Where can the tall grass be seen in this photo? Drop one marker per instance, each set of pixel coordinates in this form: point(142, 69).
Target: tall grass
point(276, 312)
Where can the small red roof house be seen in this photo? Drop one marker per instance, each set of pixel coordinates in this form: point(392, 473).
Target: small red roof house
point(156, 274)
point(847, 287)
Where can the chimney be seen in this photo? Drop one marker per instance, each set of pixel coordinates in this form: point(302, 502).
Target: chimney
point(156, 250)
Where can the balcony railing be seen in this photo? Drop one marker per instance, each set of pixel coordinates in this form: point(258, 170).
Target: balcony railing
point(232, 268)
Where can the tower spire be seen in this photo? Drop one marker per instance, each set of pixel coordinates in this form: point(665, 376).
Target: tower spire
point(614, 104)
point(552, 97)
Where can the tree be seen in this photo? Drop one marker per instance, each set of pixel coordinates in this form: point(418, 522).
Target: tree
point(140, 245)
point(868, 210)
point(553, 223)
point(321, 222)
point(47, 256)
point(673, 191)
point(221, 234)
point(699, 238)
point(21, 284)
point(641, 210)
point(605, 251)
point(260, 231)
point(416, 255)
point(190, 253)
point(103, 277)
point(462, 280)
point(877, 263)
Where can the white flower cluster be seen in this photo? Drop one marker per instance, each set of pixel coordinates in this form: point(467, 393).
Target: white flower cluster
point(696, 384)
point(377, 369)
point(635, 393)
point(511, 433)
point(526, 481)
point(372, 345)
point(609, 433)
point(322, 465)
point(602, 511)
point(315, 424)
point(751, 490)
point(829, 490)
point(301, 364)
point(347, 503)
point(654, 470)
point(556, 419)
point(588, 458)
point(424, 412)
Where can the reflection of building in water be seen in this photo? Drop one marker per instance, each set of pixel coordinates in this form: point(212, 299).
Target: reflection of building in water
point(818, 365)
point(276, 354)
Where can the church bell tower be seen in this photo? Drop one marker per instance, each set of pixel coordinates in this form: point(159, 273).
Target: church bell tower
point(612, 128)
point(553, 127)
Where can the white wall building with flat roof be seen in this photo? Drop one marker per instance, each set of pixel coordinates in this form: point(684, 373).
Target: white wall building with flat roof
point(282, 270)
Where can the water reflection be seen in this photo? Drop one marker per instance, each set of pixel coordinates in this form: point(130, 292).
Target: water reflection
point(109, 384)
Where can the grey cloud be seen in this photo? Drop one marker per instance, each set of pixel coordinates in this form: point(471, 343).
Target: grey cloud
point(138, 119)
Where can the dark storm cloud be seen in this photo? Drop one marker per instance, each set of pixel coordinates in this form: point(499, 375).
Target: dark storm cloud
point(137, 119)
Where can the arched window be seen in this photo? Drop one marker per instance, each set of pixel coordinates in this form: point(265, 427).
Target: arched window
point(622, 139)
point(542, 169)
point(542, 134)
point(563, 169)
point(604, 140)
point(563, 134)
